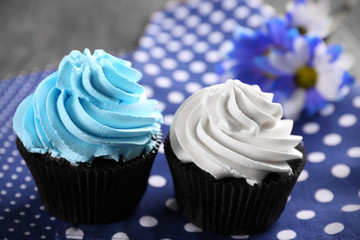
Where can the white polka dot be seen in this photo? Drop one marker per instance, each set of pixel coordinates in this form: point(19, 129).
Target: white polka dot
point(169, 63)
point(197, 67)
point(240, 237)
point(181, 12)
point(141, 56)
point(254, 3)
point(157, 52)
point(328, 110)
point(74, 233)
point(153, 29)
point(351, 208)
point(192, 87)
point(200, 47)
point(255, 20)
point(215, 37)
point(19, 169)
point(305, 214)
point(345, 90)
point(5, 167)
point(151, 69)
point(286, 234)
point(172, 204)
point(332, 139)
point(168, 23)
point(303, 176)
point(163, 82)
point(217, 17)
point(178, 31)
point(168, 119)
point(161, 148)
point(161, 106)
point(158, 16)
point(185, 56)
point(316, 157)
point(228, 25)
point(43, 237)
point(146, 42)
point(148, 221)
point(205, 8)
point(120, 236)
point(173, 46)
point(181, 76)
point(324, 195)
point(203, 29)
point(163, 38)
point(356, 102)
point(241, 12)
point(9, 184)
point(27, 178)
point(340, 171)
point(267, 11)
point(311, 128)
point(210, 78)
point(212, 56)
point(347, 120)
point(27, 233)
point(189, 227)
point(228, 4)
point(334, 228)
point(149, 92)
point(189, 39)
point(192, 21)
point(157, 181)
point(354, 152)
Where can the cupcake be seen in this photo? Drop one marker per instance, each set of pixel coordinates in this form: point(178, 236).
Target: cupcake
point(233, 159)
point(89, 137)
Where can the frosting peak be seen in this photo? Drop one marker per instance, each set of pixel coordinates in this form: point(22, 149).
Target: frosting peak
point(234, 130)
point(91, 107)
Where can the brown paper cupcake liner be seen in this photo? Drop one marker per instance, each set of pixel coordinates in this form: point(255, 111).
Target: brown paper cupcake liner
point(230, 206)
point(97, 193)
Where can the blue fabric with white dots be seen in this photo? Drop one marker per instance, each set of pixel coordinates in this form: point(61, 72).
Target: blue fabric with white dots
point(178, 55)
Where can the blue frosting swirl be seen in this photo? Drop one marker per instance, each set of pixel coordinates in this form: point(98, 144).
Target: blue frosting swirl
point(91, 107)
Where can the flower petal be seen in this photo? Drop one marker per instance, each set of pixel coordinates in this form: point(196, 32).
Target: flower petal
point(294, 106)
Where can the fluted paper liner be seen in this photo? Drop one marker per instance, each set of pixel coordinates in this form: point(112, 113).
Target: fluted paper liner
point(97, 193)
point(230, 206)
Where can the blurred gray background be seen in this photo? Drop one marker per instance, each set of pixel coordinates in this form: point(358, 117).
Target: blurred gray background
point(35, 34)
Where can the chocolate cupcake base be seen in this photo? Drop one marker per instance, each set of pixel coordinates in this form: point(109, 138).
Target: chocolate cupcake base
point(230, 206)
point(97, 193)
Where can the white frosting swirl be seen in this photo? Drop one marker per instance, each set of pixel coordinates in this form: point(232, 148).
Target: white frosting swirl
point(234, 130)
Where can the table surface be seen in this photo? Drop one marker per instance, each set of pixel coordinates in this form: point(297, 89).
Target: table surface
point(36, 34)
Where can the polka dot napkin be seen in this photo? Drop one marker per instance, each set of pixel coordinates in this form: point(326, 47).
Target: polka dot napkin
point(178, 55)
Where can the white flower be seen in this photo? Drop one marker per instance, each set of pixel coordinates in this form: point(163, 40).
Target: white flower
point(310, 72)
point(311, 17)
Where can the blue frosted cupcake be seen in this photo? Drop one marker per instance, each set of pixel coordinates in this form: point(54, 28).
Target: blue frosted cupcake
point(89, 136)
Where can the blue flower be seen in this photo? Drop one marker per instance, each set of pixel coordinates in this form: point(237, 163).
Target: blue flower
point(302, 71)
point(307, 76)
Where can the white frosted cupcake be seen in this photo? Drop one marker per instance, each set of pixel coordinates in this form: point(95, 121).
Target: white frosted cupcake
point(233, 159)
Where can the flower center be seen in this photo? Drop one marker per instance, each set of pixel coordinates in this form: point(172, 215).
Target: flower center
point(302, 30)
point(306, 77)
